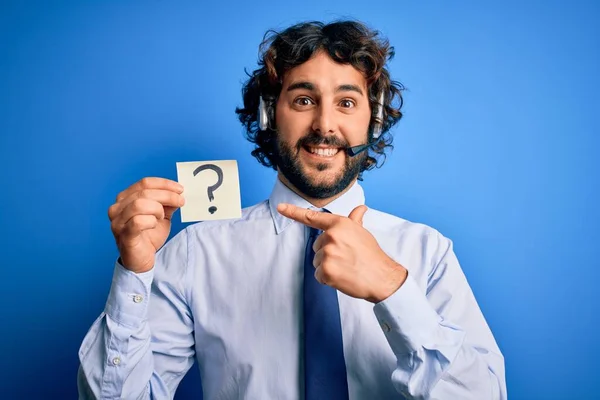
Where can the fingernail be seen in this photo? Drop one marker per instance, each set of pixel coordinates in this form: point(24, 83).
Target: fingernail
point(282, 207)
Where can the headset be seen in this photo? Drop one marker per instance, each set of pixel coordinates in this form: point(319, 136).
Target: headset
point(263, 124)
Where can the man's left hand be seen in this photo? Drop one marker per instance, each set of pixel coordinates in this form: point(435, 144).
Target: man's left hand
point(347, 256)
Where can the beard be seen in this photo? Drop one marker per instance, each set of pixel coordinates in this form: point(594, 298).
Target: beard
point(289, 164)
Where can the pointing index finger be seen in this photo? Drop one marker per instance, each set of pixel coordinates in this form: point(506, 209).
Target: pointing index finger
point(312, 218)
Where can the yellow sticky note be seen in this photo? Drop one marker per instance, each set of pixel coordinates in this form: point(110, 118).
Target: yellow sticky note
point(211, 190)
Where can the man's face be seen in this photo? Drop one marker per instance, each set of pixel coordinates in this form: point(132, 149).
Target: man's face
point(322, 109)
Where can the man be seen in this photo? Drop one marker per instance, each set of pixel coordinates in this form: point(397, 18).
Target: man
point(310, 295)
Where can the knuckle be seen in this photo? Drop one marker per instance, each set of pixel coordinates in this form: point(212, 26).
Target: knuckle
point(144, 193)
point(327, 272)
point(311, 215)
point(145, 182)
point(138, 205)
point(112, 211)
point(334, 234)
point(328, 250)
point(120, 197)
point(137, 221)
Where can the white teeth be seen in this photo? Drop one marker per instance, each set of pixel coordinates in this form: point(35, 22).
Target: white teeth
point(324, 152)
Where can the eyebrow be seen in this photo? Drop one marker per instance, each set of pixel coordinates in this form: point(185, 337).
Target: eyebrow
point(349, 88)
point(311, 87)
point(301, 85)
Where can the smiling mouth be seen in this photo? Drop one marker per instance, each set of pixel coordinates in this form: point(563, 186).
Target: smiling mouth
point(322, 151)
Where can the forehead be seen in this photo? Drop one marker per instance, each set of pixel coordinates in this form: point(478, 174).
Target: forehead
point(324, 73)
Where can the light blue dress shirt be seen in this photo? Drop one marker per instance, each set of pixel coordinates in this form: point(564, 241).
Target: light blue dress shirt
point(229, 294)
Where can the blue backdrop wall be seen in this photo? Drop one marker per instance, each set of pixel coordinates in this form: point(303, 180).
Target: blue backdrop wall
point(497, 150)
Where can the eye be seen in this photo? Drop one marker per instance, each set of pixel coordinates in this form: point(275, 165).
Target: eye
point(303, 101)
point(347, 103)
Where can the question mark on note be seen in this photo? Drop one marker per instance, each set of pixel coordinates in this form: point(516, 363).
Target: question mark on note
point(211, 189)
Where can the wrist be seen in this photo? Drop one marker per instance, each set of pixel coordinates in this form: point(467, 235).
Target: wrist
point(394, 277)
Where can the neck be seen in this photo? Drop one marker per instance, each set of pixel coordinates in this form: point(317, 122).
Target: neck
point(319, 203)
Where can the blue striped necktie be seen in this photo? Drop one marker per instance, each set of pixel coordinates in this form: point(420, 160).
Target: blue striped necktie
point(324, 365)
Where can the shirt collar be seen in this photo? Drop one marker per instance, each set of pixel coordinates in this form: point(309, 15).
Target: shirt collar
point(343, 205)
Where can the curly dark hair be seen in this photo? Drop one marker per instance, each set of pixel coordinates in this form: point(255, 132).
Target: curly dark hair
point(346, 42)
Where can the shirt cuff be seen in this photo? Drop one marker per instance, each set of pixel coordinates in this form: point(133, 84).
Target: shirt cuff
point(127, 302)
point(406, 318)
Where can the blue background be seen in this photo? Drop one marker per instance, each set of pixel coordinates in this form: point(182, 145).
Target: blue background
point(497, 150)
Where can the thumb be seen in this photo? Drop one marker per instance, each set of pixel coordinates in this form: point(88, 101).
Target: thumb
point(357, 214)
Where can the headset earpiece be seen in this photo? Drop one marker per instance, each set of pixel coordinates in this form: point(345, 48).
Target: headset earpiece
point(378, 126)
point(263, 115)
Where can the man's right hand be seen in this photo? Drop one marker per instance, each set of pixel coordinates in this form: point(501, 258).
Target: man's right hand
point(141, 220)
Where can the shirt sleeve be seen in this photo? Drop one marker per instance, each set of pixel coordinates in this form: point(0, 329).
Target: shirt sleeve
point(443, 345)
point(142, 345)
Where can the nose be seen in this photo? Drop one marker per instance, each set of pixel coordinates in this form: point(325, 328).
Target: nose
point(324, 121)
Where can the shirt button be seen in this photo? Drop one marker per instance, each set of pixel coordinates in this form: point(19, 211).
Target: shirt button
point(137, 298)
point(386, 327)
point(116, 361)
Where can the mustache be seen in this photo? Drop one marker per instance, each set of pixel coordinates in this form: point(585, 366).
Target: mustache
point(316, 139)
